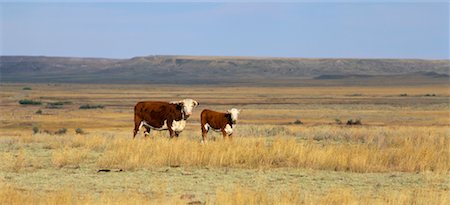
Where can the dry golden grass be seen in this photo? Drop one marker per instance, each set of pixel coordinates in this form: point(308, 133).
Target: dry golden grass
point(354, 149)
point(13, 196)
point(406, 137)
point(238, 195)
point(69, 157)
point(407, 154)
point(241, 195)
point(18, 160)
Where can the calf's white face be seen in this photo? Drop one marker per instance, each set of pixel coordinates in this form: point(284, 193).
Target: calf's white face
point(234, 114)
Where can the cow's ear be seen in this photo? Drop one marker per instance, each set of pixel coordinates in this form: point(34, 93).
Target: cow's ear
point(196, 103)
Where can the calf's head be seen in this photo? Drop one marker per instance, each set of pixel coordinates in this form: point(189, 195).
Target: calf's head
point(187, 105)
point(234, 114)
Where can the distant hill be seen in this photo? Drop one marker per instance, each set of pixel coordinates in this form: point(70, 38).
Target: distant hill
point(207, 70)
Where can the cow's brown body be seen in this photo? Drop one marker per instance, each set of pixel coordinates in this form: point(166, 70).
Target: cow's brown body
point(217, 121)
point(157, 115)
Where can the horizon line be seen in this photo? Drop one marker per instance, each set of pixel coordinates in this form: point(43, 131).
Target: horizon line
point(227, 56)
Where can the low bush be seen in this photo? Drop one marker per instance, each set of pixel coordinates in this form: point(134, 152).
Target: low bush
point(79, 131)
point(58, 104)
point(26, 88)
point(88, 106)
point(61, 131)
point(39, 112)
point(29, 102)
point(354, 122)
point(53, 106)
point(36, 130)
point(297, 122)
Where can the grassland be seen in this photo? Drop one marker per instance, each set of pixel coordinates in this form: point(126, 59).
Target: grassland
point(400, 155)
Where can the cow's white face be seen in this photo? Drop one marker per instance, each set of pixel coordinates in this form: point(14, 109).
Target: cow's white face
point(234, 114)
point(188, 105)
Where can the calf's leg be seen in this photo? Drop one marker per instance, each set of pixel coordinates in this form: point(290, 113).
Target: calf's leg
point(204, 132)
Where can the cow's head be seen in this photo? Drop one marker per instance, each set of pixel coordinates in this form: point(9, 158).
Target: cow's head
point(187, 105)
point(234, 114)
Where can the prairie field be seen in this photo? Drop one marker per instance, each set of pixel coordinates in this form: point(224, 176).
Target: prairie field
point(292, 145)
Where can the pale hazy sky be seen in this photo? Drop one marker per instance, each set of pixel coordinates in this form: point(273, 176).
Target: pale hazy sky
point(312, 30)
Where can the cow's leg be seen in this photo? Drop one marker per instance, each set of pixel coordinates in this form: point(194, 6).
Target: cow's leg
point(224, 133)
point(147, 132)
point(169, 127)
point(137, 125)
point(177, 133)
point(171, 133)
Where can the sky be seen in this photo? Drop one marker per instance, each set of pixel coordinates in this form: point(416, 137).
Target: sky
point(329, 29)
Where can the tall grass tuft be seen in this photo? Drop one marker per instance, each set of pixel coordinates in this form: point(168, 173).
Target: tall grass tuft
point(69, 157)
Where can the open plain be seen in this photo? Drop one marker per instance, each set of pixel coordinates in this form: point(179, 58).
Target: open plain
point(291, 145)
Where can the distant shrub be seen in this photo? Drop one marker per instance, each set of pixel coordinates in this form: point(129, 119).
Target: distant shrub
point(87, 106)
point(48, 132)
point(61, 131)
point(55, 103)
point(354, 122)
point(338, 121)
point(61, 103)
point(430, 95)
point(58, 104)
point(26, 88)
point(403, 94)
point(356, 94)
point(79, 131)
point(52, 106)
point(36, 130)
point(297, 122)
point(39, 112)
point(29, 102)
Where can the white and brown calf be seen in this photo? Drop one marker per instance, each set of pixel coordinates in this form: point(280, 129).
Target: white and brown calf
point(218, 121)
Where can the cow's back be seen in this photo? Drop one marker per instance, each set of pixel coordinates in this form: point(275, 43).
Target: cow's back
point(153, 112)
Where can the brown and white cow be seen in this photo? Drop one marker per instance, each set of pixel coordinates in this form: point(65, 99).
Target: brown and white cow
point(219, 122)
point(158, 115)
